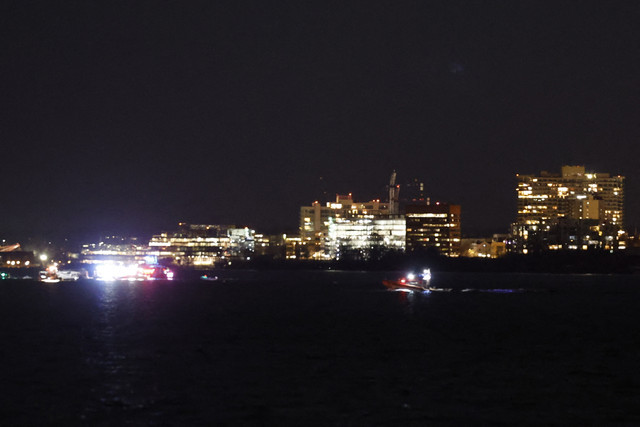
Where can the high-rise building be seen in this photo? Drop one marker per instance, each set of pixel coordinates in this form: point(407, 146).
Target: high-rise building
point(570, 210)
point(433, 226)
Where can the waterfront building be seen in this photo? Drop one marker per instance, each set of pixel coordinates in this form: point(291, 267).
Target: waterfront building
point(12, 256)
point(270, 245)
point(203, 244)
point(494, 247)
point(365, 238)
point(433, 227)
point(570, 210)
point(315, 221)
point(294, 247)
point(116, 249)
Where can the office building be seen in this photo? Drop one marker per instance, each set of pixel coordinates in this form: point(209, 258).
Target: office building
point(365, 238)
point(203, 244)
point(315, 220)
point(433, 227)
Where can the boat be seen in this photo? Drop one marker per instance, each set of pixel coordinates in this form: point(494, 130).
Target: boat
point(73, 275)
point(153, 272)
point(411, 282)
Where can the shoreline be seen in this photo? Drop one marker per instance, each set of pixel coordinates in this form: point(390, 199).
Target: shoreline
point(589, 262)
point(557, 263)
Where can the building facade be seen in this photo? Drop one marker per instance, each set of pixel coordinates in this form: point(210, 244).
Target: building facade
point(315, 221)
point(433, 227)
point(365, 238)
point(203, 244)
point(116, 249)
point(570, 210)
point(495, 247)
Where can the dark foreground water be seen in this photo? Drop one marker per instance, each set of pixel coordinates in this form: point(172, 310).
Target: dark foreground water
point(322, 348)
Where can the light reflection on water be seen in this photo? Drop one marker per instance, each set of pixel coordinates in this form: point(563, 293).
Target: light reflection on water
point(105, 357)
point(280, 349)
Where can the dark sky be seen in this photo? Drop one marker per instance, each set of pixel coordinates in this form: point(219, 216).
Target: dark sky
point(129, 116)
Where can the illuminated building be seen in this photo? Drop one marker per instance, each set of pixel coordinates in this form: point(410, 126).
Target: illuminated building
point(570, 210)
point(483, 248)
point(114, 249)
point(293, 247)
point(365, 238)
point(203, 244)
point(271, 246)
point(13, 257)
point(280, 246)
point(315, 220)
point(433, 226)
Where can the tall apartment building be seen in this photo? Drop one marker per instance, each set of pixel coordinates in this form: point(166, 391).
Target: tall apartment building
point(434, 226)
point(570, 210)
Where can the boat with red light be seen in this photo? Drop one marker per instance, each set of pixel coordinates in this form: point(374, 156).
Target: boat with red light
point(411, 282)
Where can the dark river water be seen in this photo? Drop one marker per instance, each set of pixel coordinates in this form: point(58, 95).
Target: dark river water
point(322, 348)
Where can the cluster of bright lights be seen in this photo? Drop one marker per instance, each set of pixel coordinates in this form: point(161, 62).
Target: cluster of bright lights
point(50, 274)
point(14, 263)
point(110, 272)
point(424, 276)
point(131, 272)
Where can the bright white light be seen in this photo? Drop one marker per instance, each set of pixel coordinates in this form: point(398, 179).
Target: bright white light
point(43, 257)
point(109, 272)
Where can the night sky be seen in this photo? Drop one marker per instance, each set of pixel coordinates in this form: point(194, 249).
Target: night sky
point(129, 116)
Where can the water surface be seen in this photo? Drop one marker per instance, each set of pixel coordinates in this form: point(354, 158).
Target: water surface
point(322, 348)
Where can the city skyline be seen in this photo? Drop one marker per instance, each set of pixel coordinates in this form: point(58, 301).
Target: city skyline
point(131, 117)
point(571, 210)
point(406, 193)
